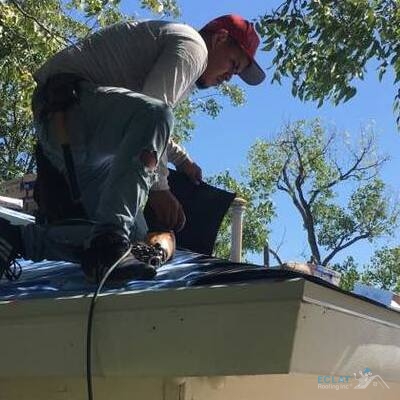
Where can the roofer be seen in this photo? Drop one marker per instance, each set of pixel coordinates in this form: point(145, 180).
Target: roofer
point(115, 120)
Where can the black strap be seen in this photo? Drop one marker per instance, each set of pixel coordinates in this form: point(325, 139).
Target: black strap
point(71, 173)
point(53, 194)
point(58, 94)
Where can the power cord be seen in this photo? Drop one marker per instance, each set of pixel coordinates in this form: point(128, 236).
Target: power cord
point(90, 324)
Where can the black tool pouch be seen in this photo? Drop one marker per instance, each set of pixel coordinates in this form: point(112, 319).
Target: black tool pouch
point(59, 93)
point(54, 193)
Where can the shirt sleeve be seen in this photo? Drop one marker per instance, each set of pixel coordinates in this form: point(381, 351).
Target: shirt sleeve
point(181, 62)
point(162, 174)
point(176, 154)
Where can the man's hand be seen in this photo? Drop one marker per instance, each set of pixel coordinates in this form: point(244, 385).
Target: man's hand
point(192, 171)
point(167, 210)
point(165, 239)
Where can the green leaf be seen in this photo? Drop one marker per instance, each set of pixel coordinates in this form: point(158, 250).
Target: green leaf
point(329, 43)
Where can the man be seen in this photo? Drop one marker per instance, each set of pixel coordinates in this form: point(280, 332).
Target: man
point(126, 78)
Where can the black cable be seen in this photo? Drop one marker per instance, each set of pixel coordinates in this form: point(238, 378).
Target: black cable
point(90, 324)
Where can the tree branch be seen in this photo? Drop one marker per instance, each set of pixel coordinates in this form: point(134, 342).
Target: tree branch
point(301, 175)
point(52, 33)
point(340, 248)
point(287, 188)
point(286, 179)
point(276, 256)
point(350, 173)
point(308, 218)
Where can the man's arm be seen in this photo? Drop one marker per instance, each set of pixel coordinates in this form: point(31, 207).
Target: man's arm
point(182, 61)
point(178, 156)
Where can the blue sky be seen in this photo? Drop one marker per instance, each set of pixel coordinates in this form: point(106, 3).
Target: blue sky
point(223, 143)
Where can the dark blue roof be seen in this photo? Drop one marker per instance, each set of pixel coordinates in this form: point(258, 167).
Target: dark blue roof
point(63, 279)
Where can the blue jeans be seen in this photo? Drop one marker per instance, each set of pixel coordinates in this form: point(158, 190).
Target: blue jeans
point(108, 130)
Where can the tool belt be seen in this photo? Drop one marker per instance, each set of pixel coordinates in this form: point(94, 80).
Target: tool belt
point(60, 92)
point(57, 195)
point(52, 193)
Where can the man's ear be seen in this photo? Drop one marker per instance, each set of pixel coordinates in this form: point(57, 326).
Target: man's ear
point(219, 37)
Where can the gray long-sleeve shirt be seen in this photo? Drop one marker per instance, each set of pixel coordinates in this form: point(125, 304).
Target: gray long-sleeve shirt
point(157, 58)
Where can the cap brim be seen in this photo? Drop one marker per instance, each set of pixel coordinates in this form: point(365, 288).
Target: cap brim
point(253, 74)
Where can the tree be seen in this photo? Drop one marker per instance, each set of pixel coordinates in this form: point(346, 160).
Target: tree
point(33, 30)
point(207, 104)
point(350, 273)
point(302, 163)
point(325, 45)
point(310, 165)
point(383, 270)
point(168, 7)
point(30, 32)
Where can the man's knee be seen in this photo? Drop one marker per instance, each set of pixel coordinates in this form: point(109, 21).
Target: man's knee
point(162, 117)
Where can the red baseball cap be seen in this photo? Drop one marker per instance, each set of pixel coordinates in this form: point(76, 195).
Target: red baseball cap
point(243, 32)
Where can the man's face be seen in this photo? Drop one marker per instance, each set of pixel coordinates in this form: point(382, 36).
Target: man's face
point(225, 58)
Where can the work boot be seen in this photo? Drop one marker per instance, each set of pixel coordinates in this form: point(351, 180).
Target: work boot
point(146, 257)
point(10, 250)
point(106, 248)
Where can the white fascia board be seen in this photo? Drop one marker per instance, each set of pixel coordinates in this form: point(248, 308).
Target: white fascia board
point(338, 334)
point(220, 330)
point(273, 327)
